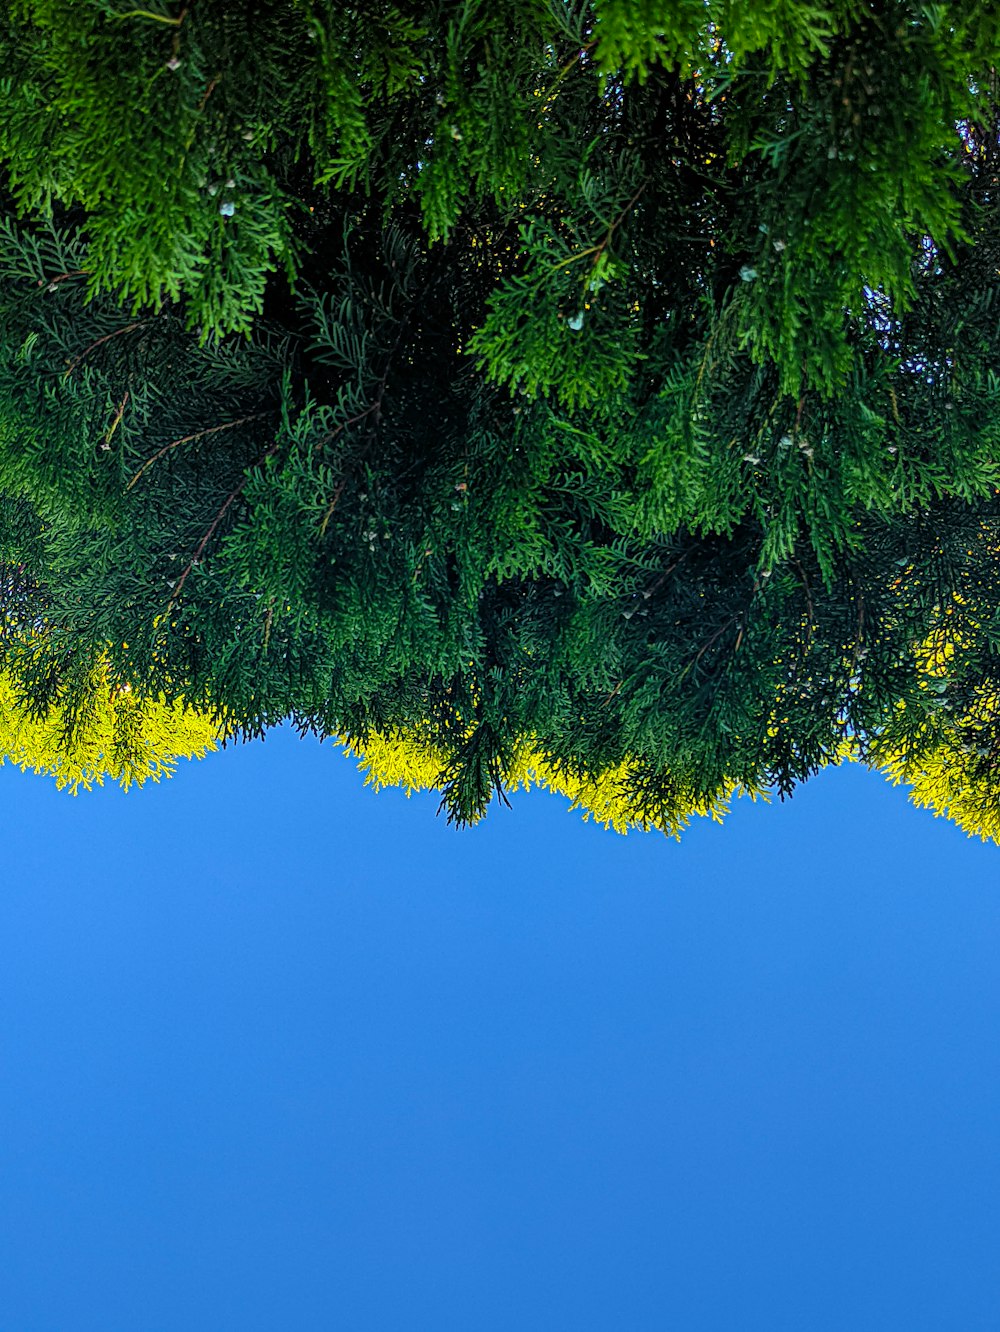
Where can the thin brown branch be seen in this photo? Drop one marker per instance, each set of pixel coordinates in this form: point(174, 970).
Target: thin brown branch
point(374, 408)
point(709, 642)
point(229, 500)
point(598, 250)
point(332, 435)
point(62, 277)
point(569, 65)
point(666, 573)
point(208, 93)
point(119, 332)
point(198, 434)
point(333, 504)
point(120, 412)
point(613, 692)
point(733, 619)
point(810, 609)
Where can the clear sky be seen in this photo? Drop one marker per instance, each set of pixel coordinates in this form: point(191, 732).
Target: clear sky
point(279, 1053)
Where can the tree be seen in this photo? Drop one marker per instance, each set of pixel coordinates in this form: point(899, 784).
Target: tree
point(613, 406)
point(77, 720)
point(107, 732)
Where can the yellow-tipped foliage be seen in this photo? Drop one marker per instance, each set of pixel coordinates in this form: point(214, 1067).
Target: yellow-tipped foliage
point(108, 733)
point(951, 765)
point(609, 798)
point(957, 777)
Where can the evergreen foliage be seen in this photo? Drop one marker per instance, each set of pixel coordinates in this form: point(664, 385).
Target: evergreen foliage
point(595, 395)
point(117, 736)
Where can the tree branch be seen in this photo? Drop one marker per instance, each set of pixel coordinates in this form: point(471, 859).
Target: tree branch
point(198, 434)
point(230, 498)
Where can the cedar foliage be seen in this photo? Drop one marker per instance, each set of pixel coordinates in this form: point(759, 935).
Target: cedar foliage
point(600, 394)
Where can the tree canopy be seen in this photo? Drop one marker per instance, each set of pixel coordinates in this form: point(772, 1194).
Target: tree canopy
point(595, 394)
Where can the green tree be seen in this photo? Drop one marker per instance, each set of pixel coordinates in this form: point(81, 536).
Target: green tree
point(100, 731)
point(614, 406)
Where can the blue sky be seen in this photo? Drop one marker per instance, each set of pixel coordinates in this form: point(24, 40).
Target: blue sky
point(279, 1053)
